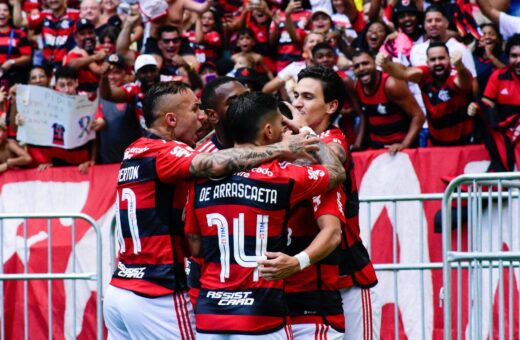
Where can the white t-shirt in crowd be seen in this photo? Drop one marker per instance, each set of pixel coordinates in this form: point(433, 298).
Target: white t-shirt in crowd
point(418, 54)
point(508, 25)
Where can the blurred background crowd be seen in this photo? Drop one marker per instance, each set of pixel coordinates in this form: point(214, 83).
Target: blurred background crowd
point(417, 73)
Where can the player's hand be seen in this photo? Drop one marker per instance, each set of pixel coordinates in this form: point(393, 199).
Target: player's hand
point(297, 121)
point(473, 109)
point(277, 266)
point(394, 148)
point(382, 60)
point(456, 59)
point(299, 146)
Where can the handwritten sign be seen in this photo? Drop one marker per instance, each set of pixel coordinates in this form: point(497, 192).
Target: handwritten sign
point(53, 118)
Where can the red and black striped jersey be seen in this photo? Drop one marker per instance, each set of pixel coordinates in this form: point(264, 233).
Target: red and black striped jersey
point(14, 44)
point(386, 122)
point(208, 50)
point(448, 122)
point(287, 50)
point(503, 88)
point(151, 195)
point(355, 267)
point(57, 33)
point(240, 218)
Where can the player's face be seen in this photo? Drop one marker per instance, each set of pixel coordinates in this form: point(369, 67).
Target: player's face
point(439, 62)
point(169, 44)
point(189, 118)
point(309, 100)
point(364, 69)
point(277, 128)
point(225, 95)
point(514, 59)
point(376, 35)
point(325, 57)
point(38, 77)
point(435, 25)
point(408, 22)
point(5, 15)
point(67, 86)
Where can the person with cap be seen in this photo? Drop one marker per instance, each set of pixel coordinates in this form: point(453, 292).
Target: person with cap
point(115, 123)
point(249, 78)
point(147, 74)
point(247, 57)
point(57, 24)
point(84, 58)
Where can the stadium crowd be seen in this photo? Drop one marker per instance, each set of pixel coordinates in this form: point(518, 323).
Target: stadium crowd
point(228, 78)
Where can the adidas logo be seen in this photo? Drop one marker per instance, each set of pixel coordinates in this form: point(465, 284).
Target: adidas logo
point(504, 91)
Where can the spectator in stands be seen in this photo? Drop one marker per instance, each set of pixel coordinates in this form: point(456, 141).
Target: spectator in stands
point(12, 155)
point(130, 31)
point(115, 122)
point(245, 43)
point(57, 24)
point(84, 58)
point(108, 40)
point(287, 78)
point(287, 33)
point(392, 117)
point(508, 24)
point(488, 54)
point(147, 74)
point(373, 36)
point(91, 10)
point(15, 50)
point(342, 22)
point(500, 110)
point(83, 156)
point(436, 27)
point(206, 39)
point(446, 94)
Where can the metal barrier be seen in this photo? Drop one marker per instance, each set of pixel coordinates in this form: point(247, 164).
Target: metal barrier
point(477, 260)
point(50, 276)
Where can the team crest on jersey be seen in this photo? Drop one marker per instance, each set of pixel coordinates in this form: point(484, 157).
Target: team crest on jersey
point(315, 174)
point(65, 24)
point(444, 95)
point(381, 109)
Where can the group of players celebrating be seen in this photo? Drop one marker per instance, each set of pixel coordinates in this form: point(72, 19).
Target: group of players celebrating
point(252, 233)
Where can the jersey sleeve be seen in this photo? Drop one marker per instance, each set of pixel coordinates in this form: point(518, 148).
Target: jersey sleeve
point(130, 90)
point(309, 181)
point(173, 162)
point(425, 74)
point(491, 91)
point(35, 21)
point(330, 203)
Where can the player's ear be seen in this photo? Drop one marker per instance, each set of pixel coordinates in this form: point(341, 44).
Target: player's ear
point(332, 106)
point(170, 118)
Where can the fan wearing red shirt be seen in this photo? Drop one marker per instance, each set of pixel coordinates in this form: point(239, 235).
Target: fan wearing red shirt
point(84, 57)
point(146, 297)
point(446, 93)
point(57, 25)
point(249, 211)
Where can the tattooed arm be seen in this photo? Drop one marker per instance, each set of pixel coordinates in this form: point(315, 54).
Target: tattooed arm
point(226, 162)
point(328, 158)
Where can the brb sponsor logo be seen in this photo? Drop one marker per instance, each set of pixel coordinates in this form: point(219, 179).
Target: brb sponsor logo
point(315, 174)
point(180, 151)
point(232, 298)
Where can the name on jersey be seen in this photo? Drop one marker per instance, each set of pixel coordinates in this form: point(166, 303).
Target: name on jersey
point(128, 174)
point(130, 273)
point(130, 152)
point(232, 298)
point(239, 190)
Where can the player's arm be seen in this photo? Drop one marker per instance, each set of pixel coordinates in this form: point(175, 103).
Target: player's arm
point(225, 162)
point(400, 94)
point(398, 71)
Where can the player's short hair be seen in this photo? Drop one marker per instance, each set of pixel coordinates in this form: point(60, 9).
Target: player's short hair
point(434, 44)
point(154, 95)
point(323, 46)
point(209, 92)
point(66, 72)
point(245, 114)
point(331, 83)
point(513, 41)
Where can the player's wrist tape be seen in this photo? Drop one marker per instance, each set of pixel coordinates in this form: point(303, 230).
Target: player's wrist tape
point(303, 259)
point(308, 129)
